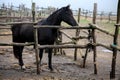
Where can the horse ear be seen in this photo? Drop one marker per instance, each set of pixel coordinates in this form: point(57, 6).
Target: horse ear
point(68, 6)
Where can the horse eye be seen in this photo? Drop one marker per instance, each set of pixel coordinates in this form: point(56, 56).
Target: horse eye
point(68, 12)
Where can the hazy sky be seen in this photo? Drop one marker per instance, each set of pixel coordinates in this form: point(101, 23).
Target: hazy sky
point(103, 5)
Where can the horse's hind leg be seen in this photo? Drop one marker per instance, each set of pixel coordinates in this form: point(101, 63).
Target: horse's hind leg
point(18, 54)
point(50, 59)
point(41, 55)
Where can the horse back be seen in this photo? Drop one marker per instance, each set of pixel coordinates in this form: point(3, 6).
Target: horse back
point(22, 32)
point(16, 29)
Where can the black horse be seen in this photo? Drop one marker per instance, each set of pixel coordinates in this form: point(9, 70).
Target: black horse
point(24, 33)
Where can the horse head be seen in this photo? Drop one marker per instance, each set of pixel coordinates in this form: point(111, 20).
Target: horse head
point(67, 16)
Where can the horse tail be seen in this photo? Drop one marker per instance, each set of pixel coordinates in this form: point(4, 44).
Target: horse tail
point(15, 51)
point(16, 28)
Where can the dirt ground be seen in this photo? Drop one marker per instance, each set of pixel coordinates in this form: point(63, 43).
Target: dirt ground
point(65, 68)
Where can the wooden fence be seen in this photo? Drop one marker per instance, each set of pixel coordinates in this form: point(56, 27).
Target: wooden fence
point(101, 16)
point(12, 13)
point(114, 47)
point(93, 44)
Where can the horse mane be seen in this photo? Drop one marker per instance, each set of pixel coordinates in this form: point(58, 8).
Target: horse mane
point(51, 17)
point(57, 12)
point(54, 14)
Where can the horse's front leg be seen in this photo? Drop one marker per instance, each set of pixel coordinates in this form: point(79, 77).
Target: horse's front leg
point(50, 59)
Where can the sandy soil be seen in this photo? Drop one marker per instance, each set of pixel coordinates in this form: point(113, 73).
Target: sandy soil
point(65, 68)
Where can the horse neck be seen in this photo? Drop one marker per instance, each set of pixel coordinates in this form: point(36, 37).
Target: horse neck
point(54, 19)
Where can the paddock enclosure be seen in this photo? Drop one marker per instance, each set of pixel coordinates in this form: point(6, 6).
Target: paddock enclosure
point(99, 64)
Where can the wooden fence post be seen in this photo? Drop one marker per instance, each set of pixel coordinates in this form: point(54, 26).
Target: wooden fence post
point(61, 51)
point(112, 73)
point(36, 49)
point(94, 13)
point(79, 13)
point(10, 13)
point(85, 57)
point(20, 11)
point(33, 12)
point(94, 38)
point(75, 53)
point(94, 50)
point(36, 39)
point(115, 43)
point(86, 14)
point(101, 15)
point(109, 16)
point(76, 34)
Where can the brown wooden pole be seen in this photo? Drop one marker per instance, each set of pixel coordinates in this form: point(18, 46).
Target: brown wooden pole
point(10, 12)
point(79, 13)
point(112, 73)
point(101, 15)
point(60, 37)
point(94, 51)
point(33, 12)
point(20, 11)
point(86, 14)
point(75, 53)
point(94, 39)
point(109, 16)
point(94, 13)
point(85, 57)
point(118, 13)
point(115, 43)
point(36, 39)
point(36, 49)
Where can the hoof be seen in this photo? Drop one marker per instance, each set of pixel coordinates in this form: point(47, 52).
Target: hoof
point(83, 56)
point(23, 67)
point(51, 69)
point(40, 63)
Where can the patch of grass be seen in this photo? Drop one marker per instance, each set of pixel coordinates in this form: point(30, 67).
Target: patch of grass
point(64, 24)
point(107, 26)
point(84, 21)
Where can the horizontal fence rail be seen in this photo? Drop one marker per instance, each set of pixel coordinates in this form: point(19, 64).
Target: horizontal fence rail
point(13, 23)
point(61, 27)
point(5, 34)
point(102, 45)
point(114, 46)
point(117, 25)
point(16, 44)
point(62, 46)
